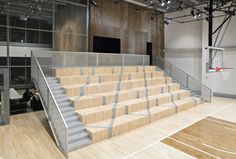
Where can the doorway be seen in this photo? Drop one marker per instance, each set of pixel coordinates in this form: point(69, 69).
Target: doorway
point(149, 51)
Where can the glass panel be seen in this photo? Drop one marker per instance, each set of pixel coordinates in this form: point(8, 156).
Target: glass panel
point(28, 75)
point(17, 35)
point(130, 60)
point(28, 61)
point(18, 61)
point(46, 37)
point(3, 19)
point(45, 25)
point(3, 61)
point(1, 79)
point(110, 60)
point(3, 34)
point(17, 75)
point(32, 36)
point(17, 22)
point(32, 23)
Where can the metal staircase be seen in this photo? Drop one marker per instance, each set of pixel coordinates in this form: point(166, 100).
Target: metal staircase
point(77, 136)
point(68, 131)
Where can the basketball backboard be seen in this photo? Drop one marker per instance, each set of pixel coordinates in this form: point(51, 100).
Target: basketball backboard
point(215, 59)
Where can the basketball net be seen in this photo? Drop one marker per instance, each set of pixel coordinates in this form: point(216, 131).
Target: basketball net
point(226, 72)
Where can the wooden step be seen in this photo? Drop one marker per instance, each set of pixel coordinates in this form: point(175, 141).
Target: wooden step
point(112, 127)
point(104, 112)
point(68, 71)
point(106, 129)
point(184, 104)
point(101, 78)
point(85, 89)
point(93, 100)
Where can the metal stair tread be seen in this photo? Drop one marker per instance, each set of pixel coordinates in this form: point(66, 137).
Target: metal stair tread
point(79, 144)
point(68, 114)
point(77, 137)
point(66, 109)
point(71, 118)
point(75, 130)
point(64, 104)
point(74, 124)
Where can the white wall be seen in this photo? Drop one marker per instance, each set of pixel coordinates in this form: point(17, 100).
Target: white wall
point(215, 80)
point(183, 43)
point(18, 51)
point(178, 36)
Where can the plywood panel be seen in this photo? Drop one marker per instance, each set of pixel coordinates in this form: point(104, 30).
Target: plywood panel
point(134, 27)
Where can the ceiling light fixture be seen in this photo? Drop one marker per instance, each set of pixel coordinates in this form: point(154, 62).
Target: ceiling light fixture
point(166, 22)
point(168, 2)
point(162, 3)
point(193, 14)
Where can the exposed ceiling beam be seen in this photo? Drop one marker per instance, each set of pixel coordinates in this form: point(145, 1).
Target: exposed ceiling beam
point(145, 5)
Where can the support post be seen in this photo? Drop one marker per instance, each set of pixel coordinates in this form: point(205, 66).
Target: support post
point(8, 37)
point(210, 29)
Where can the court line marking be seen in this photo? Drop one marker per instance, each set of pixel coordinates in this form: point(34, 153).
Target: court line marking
point(221, 122)
point(141, 149)
point(230, 129)
point(194, 148)
point(217, 149)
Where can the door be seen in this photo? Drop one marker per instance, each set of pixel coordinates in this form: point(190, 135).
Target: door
point(149, 51)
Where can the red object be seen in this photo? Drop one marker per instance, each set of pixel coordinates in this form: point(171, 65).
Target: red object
point(221, 68)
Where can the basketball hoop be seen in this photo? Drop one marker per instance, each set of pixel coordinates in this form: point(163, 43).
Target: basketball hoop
point(226, 72)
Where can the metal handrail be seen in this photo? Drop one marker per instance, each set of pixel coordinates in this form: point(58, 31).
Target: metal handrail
point(50, 90)
point(172, 65)
point(57, 107)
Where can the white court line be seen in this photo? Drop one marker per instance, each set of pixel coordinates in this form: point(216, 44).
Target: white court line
point(141, 149)
point(221, 122)
point(194, 148)
point(230, 129)
point(217, 149)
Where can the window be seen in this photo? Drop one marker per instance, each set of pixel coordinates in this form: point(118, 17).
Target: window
point(17, 22)
point(17, 35)
point(3, 34)
point(32, 36)
point(3, 19)
point(46, 37)
point(45, 25)
point(32, 23)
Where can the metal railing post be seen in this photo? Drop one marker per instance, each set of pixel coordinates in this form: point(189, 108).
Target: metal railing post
point(64, 59)
point(143, 61)
point(170, 70)
point(37, 75)
point(187, 81)
point(97, 60)
point(47, 105)
point(123, 60)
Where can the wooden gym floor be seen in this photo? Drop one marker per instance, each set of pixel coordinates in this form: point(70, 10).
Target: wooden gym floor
point(210, 138)
point(214, 124)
